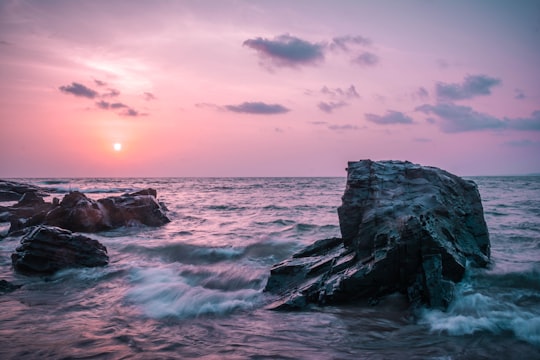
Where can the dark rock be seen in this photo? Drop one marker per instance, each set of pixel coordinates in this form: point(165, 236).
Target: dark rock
point(12, 190)
point(405, 228)
point(45, 250)
point(7, 287)
point(77, 212)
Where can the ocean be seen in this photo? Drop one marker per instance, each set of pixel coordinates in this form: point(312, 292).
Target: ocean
point(193, 289)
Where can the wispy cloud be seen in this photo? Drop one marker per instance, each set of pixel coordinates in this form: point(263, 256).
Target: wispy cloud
point(329, 107)
point(80, 90)
point(349, 93)
point(345, 42)
point(100, 82)
point(523, 143)
point(287, 51)
point(257, 108)
point(454, 118)
point(390, 118)
point(519, 94)
point(148, 96)
point(366, 59)
point(472, 86)
point(111, 93)
point(345, 127)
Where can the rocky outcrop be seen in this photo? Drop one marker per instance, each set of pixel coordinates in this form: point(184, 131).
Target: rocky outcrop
point(77, 212)
point(45, 250)
point(12, 190)
point(405, 228)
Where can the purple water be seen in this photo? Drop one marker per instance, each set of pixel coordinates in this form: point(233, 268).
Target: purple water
point(193, 288)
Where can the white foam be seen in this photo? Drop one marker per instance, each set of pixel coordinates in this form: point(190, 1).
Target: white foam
point(163, 292)
point(473, 312)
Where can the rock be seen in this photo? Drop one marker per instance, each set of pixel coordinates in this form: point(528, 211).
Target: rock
point(77, 212)
point(45, 250)
point(405, 228)
point(7, 287)
point(12, 190)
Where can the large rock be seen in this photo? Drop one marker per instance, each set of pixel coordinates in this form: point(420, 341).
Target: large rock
point(45, 250)
point(77, 212)
point(405, 228)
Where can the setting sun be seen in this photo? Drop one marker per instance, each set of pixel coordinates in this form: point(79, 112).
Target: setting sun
point(117, 146)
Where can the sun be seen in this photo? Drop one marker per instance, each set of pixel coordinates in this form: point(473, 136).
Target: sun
point(117, 146)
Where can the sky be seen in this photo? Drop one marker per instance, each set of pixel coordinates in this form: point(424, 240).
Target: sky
point(267, 88)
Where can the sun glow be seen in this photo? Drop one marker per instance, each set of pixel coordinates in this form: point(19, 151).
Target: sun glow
point(117, 146)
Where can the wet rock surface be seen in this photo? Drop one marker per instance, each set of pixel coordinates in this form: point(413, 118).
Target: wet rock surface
point(77, 212)
point(45, 250)
point(405, 228)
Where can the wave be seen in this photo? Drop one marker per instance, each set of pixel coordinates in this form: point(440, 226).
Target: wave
point(474, 312)
point(164, 292)
point(201, 255)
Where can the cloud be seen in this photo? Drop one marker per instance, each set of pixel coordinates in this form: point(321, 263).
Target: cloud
point(456, 118)
point(391, 117)
point(125, 109)
point(328, 107)
point(100, 83)
point(472, 86)
point(519, 94)
point(344, 42)
point(349, 93)
point(422, 93)
point(79, 90)
point(106, 105)
point(287, 51)
point(531, 123)
point(422, 140)
point(149, 96)
point(522, 143)
point(345, 127)
point(257, 108)
point(111, 93)
point(366, 59)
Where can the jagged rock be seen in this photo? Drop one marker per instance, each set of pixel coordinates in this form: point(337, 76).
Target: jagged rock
point(405, 228)
point(77, 212)
point(45, 250)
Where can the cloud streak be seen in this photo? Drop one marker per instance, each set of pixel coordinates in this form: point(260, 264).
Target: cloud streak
point(287, 51)
point(366, 59)
point(79, 90)
point(472, 86)
point(259, 108)
point(390, 118)
point(329, 107)
point(456, 118)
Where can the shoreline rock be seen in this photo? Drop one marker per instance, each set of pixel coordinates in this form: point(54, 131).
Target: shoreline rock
point(46, 249)
point(405, 228)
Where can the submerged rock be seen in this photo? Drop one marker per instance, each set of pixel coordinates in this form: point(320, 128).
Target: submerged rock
point(77, 212)
point(405, 228)
point(45, 250)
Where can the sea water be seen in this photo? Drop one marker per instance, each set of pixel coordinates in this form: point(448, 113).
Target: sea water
point(194, 287)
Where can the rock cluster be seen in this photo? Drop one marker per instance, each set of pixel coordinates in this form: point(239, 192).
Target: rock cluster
point(77, 212)
point(48, 244)
point(405, 228)
point(46, 249)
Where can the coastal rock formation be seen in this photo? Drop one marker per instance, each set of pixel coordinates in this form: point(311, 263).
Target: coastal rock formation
point(405, 228)
point(77, 212)
point(12, 190)
point(45, 250)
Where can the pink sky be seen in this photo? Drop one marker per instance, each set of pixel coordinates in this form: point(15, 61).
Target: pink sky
point(267, 88)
